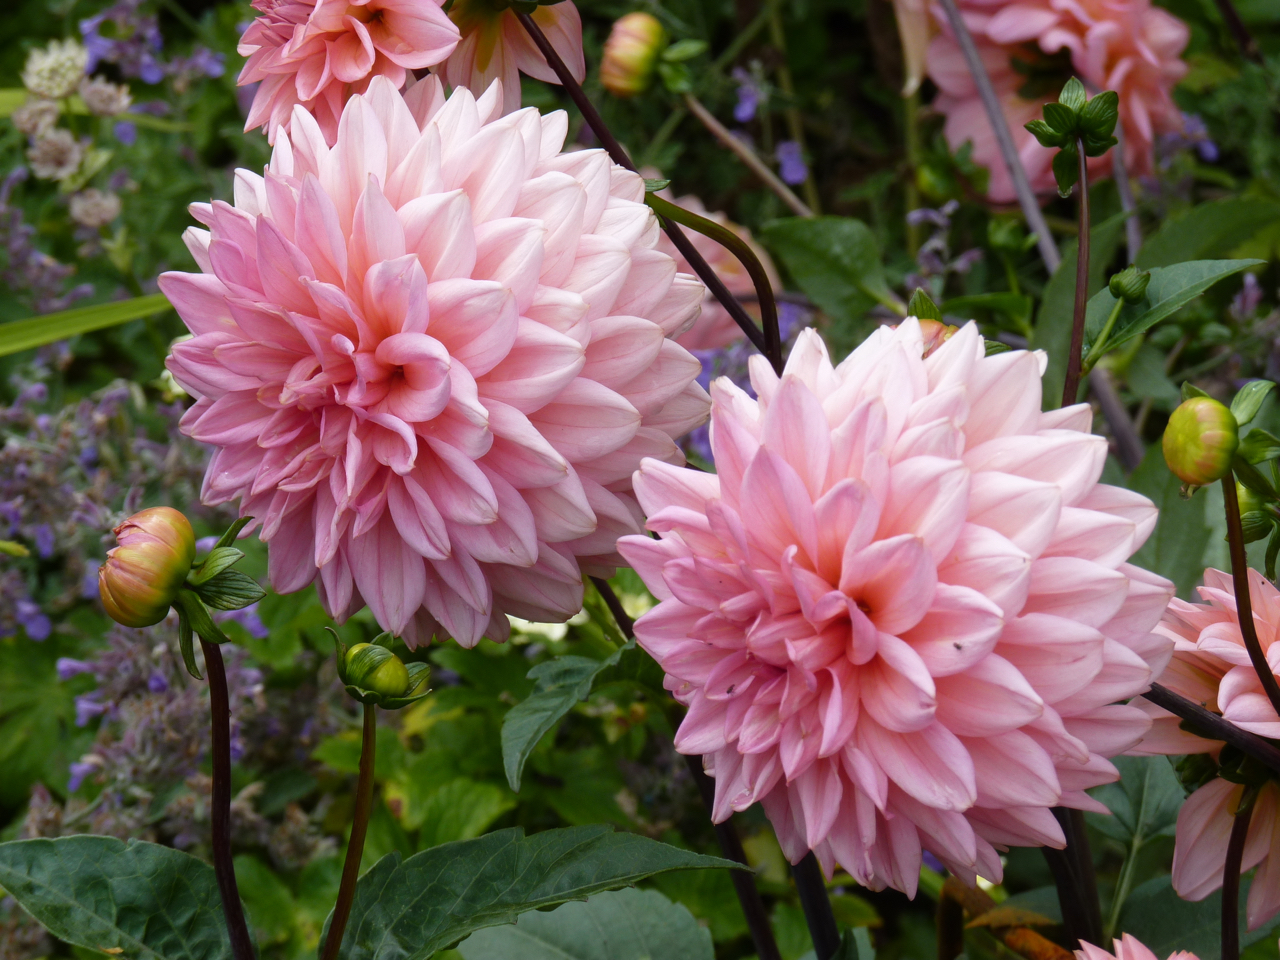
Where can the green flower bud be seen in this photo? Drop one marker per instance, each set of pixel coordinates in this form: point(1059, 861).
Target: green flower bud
point(1200, 440)
point(141, 577)
point(1256, 520)
point(630, 54)
point(1130, 285)
point(376, 668)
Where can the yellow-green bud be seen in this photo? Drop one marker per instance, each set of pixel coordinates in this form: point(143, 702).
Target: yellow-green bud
point(141, 577)
point(1129, 285)
point(376, 668)
point(1200, 440)
point(630, 54)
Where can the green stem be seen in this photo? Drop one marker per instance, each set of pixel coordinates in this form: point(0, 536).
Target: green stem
point(1071, 386)
point(1100, 344)
point(1240, 581)
point(664, 133)
point(1123, 884)
point(355, 846)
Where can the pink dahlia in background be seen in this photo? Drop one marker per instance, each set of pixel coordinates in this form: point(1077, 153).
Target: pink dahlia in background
point(900, 614)
point(1211, 667)
point(715, 327)
point(431, 356)
point(318, 53)
point(1128, 947)
point(496, 47)
point(1129, 46)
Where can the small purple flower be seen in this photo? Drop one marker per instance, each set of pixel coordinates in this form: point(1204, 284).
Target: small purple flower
point(205, 544)
point(43, 536)
point(249, 619)
point(69, 667)
point(126, 132)
point(933, 863)
point(32, 619)
point(156, 683)
point(791, 165)
point(89, 585)
point(1244, 305)
point(32, 393)
point(88, 707)
point(749, 96)
point(79, 770)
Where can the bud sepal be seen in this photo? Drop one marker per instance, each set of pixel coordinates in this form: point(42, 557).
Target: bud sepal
point(372, 674)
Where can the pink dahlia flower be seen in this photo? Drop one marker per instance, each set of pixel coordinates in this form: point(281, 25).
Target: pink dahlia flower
point(900, 614)
point(496, 47)
point(319, 52)
point(431, 356)
point(716, 328)
point(1128, 947)
point(1211, 667)
point(1129, 46)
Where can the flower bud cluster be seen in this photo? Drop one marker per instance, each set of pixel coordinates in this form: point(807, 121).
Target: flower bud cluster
point(55, 71)
point(375, 676)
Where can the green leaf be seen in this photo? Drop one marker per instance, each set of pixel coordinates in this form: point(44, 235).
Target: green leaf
point(561, 683)
point(11, 98)
point(836, 262)
point(1259, 445)
point(1044, 133)
point(147, 901)
point(1015, 305)
point(653, 186)
point(1208, 231)
point(1098, 117)
point(922, 307)
point(1066, 169)
point(1170, 289)
point(619, 925)
point(1190, 390)
point(36, 332)
point(710, 897)
point(1253, 478)
point(1144, 804)
point(459, 810)
point(1073, 95)
point(1176, 546)
point(266, 899)
point(1249, 400)
point(219, 559)
point(407, 910)
point(229, 535)
point(1166, 923)
point(38, 738)
point(230, 590)
point(684, 50)
point(1062, 121)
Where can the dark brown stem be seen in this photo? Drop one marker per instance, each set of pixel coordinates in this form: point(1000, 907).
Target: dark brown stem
point(355, 846)
point(615, 607)
point(619, 156)
point(1071, 388)
point(1231, 880)
point(1240, 33)
point(1086, 876)
point(220, 814)
point(950, 927)
point(1062, 864)
point(1211, 726)
point(1244, 606)
point(812, 887)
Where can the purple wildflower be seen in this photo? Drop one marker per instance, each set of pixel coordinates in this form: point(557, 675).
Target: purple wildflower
point(79, 770)
point(33, 620)
point(69, 667)
point(749, 96)
point(791, 165)
point(87, 708)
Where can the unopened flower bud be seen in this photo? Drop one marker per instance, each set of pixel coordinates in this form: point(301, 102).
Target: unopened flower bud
point(141, 577)
point(1200, 440)
point(1130, 285)
point(630, 54)
point(1256, 521)
point(376, 668)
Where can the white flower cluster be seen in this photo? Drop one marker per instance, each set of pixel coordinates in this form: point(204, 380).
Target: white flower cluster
point(55, 71)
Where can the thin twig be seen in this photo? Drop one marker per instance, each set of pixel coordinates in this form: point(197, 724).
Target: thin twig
point(1244, 605)
point(1205, 723)
point(1071, 386)
point(1231, 879)
point(812, 888)
point(950, 923)
point(1120, 173)
point(1004, 139)
point(619, 156)
point(355, 846)
point(220, 812)
point(1239, 32)
point(748, 156)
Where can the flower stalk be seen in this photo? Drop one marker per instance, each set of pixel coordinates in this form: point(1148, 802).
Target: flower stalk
point(812, 888)
point(220, 813)
point(1244, 605)
point(1231, 878)
point(359, 827)
point(1205, 723)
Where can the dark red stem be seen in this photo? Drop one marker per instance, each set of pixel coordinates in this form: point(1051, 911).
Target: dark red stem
point(355, 846)
point(1231, 880)
point(1244, 606)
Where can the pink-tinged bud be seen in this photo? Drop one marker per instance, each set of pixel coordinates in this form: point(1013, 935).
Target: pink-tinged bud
point(142, 576)
point(935, 334)
point(630, 54)
point(1200, 440)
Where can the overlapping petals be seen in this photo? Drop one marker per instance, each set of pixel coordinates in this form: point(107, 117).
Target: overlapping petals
point(1211, 667)
point(1129, 46)
point(1127, 947)
point(430, 358)
point(900, 615)
point(318, 53)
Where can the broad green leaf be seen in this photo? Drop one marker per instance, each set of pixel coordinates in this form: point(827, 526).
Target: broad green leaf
point(267, 900)
point(51, 327)
point(407, 910)
point(1165, 923)
point(1249, 400)
point(38, 738)
point(1175, 548)
point(1207, 231)
point(561, 683)
point(143, 900)
point(1144, 804)
point(836, 262)
point(1148, 380)
point(1015, 305)
point(618, 925)
point(710, 897)
point(1053, 323)
point(1170, 289)
point(459, 810)
point(1258, 445)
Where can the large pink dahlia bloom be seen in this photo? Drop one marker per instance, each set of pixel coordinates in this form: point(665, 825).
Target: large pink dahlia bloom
point(430, 357)
point(1128, 947)
point(320, 52)
point(900, 615)
point(1211, 667)
point(1129, 46)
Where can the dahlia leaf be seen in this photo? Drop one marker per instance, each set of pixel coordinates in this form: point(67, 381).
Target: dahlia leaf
point(1175, 548)
point(1170, 289)
point(1073, 96)
point(1207, 231)
point(141, 900)
point(219, 559)
point(52, 327)
point(1249, 400)
point(1259, 445)
point(1143, 805)
point(409, 909)
point(1164, 922)
point(230, 590)
point(617, 925)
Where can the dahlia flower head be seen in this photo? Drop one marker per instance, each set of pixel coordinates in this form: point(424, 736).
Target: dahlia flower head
point(900, 614)
point(1129, 46)
point(1211, 667)
point(1128, 947)
point(430, 357)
